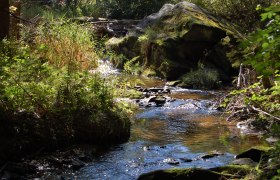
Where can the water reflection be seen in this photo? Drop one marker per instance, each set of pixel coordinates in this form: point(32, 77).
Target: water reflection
point(184, 129)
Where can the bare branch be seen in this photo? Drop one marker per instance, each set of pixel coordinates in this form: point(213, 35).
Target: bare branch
point(266, 113)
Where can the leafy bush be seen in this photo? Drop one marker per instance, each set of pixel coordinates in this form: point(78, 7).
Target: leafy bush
point(65, 43)
point(132, 66)
point(262, 48)
point(260, 51)
point(202, 78)
point(131, 9)
point(49, 96)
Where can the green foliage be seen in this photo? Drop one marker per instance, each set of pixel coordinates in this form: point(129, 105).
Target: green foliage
point(202, 78)
point(48, 81)
point(132, 66)
point(132, 9)
point(262, 49)
point(64, 43)
point(261, 52)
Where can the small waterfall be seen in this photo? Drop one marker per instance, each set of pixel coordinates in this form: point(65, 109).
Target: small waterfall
point(105, 68)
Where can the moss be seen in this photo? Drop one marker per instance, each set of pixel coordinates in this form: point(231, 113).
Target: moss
point(115, 41)
point(240, 170)
point(182, 21)
point(265, 149)
point(186, 174)
point(149, 72)
point(180, 172)
point(176, 41)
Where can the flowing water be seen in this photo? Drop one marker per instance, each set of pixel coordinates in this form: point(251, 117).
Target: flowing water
point(175, 135)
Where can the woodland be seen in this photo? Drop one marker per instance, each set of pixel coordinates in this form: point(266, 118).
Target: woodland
point(50, 97)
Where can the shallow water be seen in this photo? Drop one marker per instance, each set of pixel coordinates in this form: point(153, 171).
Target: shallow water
point(181, 130)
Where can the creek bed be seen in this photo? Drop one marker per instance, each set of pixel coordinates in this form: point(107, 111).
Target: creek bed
point(175, 135)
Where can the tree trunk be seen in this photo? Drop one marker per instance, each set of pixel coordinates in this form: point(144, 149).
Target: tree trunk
point(4, 18)
point(266, 82)
point(15, 22)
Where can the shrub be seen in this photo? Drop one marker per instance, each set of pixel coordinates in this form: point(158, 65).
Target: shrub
point(132, 66)
point(63, 43)
point(48, 96)
point(202, 78)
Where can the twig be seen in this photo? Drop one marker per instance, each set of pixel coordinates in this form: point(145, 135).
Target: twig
point(239, 76)
point(17, 17)
point(266, 113)
point(233, 114)
point(196, 105)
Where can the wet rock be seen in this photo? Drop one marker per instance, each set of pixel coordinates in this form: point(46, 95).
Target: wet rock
point(186, 159)
point(146, 148)
point(171, 161)
point(149, 105)
point(139, 88)
point(166, 91)
point(77, 164)
point(156, 90)
point(158, 100)
point(244, 161)
point(256, 154)
point(145, 90)
point(173, 83)
point(211, 155)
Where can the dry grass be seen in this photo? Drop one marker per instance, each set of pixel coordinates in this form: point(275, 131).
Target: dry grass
point(67, 44)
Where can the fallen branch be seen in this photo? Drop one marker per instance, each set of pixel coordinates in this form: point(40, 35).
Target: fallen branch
point(233, 114)
point(266, 113)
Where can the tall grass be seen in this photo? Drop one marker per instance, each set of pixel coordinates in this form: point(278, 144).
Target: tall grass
point(67, 43)
point(49, 96)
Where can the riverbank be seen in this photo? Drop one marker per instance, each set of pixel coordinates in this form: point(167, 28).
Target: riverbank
point(177, 133)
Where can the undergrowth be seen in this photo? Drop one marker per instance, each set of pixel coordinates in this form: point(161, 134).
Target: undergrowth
point(48, 95)
point(257, 97)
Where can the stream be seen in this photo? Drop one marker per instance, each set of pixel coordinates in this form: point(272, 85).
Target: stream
point(175, 135)
point(184, 132)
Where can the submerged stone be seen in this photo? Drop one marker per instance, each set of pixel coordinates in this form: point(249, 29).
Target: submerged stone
point(171, 161)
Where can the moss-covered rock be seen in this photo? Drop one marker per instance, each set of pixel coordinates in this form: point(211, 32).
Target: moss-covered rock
point(256, 153)
point(176, 39)
point(128, 46)
point(176, 174)
point(224, 172)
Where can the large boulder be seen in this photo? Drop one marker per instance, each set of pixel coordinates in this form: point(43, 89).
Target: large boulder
point(173, 41)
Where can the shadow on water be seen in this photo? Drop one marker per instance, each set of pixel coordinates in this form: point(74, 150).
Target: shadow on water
point(175, 135)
